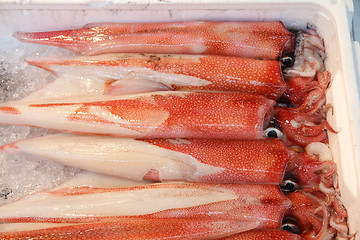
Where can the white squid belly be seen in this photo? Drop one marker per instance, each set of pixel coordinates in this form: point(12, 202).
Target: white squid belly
point(122, 157)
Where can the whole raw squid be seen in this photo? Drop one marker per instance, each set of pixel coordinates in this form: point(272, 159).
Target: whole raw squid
point(262, 161)
point(116, 74)
point(153, 115)
point(242, 211)
point(307, 79)
point(135, 73)
point(265, 40)
point(135, 229)
point(162, 229)
point(156, 114)
point(209, 160)
point(220, 209)
point(81, 204)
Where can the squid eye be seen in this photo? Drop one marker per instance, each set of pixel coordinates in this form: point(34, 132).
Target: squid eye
point(289, 185)
point(273, 133)
point(290, 224)
point(287, 61)
point(290, 227)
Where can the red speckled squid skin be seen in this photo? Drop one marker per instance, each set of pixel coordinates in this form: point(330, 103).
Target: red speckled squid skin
point(215, 73)
point(243, 161)
point(252, 161)
point(264, 235)
point(151, 115)
point(263, 40)
point(232, 208)
point(136, 229)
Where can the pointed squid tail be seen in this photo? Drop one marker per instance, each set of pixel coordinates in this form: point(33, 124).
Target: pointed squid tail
point(11, 147)
point(67, 39)
point(46, 65)
point(9, 110)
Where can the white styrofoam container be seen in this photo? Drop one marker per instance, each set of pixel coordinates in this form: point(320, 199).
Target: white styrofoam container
point(331, 17)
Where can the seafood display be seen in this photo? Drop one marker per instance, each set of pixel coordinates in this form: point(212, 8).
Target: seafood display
point(234, 110)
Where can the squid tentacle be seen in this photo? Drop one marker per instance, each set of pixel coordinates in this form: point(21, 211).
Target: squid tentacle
point(301, 128)
point(310, 213)
point(309, 55)
point(307, 78)
point(337, 223)
point(312, 103)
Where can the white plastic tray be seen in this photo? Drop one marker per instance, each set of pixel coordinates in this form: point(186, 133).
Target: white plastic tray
point(329, 16)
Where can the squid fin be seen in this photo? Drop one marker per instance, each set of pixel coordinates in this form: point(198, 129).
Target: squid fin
point(134, 85)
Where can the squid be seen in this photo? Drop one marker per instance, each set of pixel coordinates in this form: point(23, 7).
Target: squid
point(115, 74)
point(159, 201)
point(204, 210)
point(134, 229)
point(156, 114)
point(256, 72)
point(138, 229)
point(215, 118)
point(269, 40)
point(262, 161)
point(265, 161)
point(161, 114)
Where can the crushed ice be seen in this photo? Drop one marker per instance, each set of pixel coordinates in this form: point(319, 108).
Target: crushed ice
point(20, 175)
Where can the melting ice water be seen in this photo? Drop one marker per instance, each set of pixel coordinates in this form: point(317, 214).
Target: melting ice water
point(18, 175)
